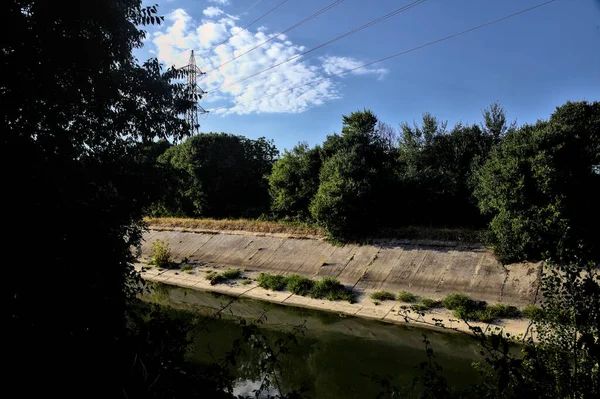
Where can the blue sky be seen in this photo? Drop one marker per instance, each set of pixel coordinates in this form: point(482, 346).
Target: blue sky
point(530, 63)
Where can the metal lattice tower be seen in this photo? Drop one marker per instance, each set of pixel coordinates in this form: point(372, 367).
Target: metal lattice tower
point(196, 93)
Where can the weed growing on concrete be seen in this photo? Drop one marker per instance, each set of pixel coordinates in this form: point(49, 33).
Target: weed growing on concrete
point(533, 312)
point(245, 282)
point(186, 267)
point(274, 282)
point(382, 296)
point(405, 296)
point(376, 303)
point(429, 303)
point(299, 285)
point(161, 255)
point(230, 274)
point(331, 289)
point(464, 307)
point(210, 275)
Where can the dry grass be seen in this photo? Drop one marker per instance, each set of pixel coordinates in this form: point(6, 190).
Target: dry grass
point(255, 226)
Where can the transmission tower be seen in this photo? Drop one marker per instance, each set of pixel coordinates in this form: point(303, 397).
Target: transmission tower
point(195, 93)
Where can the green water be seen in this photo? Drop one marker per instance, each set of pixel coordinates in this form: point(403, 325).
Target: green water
point(334, 358)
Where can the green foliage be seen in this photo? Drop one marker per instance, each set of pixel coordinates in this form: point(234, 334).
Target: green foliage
point(353, 178)
point(294, 181)
point(229, 274)
point(76, 104)
point(210, 275)
point(219, 175)
point(538, 187)
point(426, 304)
point(275, 282)
point(331, 289)
point(186, 267)
point(245, 282)
point(455, 301)
point(161, 255)
point(532, 312)
point(405, 296)
point(299, 285)
point(382, 296)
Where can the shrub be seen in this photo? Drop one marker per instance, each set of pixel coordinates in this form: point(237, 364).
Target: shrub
point(382, 296)
point(331, 289)
point(161, 254)
point(466, 308)
point(210, 275)
point(430, 303)
point(275, 282)
point(503, 311)
point(245, 282)
point(533, 312)
point(405, 296)
point(187, 267)
point(299, 285)
point(455, 301)
point(229, 274)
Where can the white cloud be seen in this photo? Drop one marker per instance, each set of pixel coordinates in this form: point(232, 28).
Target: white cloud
point(182, 33)
point(335, 65)
point(222, 2)
point(212, 11)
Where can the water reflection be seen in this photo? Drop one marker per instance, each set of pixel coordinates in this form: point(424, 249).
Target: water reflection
point(336, 356)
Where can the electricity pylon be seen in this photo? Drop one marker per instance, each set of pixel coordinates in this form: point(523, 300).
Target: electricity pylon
point(195, 93)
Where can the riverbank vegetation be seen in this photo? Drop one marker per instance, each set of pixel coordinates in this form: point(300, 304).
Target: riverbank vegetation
point(514, 187)
point(93, 142)
point(327, 287)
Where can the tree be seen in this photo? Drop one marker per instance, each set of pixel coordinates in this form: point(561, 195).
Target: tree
point(353, 179)
point(75, 106)
point(294, 181)
point(494, 122)
point(434, 173)
point(220, 175)
point(539, 188)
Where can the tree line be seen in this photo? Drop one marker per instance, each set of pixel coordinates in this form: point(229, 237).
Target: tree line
point(530, 186)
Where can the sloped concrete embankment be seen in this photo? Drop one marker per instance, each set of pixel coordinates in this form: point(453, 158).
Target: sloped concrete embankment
point(431, 269)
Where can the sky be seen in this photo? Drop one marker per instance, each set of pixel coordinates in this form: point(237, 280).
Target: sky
point(530, 63)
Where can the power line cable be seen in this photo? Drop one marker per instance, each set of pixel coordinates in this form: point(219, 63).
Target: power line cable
point(392, 56)
point(244, 28)
point(362, 27)
point(316, 14)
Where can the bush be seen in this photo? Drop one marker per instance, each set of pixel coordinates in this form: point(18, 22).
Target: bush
point(161, 255)
point(382, 296)
point(331, 289)
point(275, 282)
point(455, 301)
point(229, 274)
point(426, 304)
point(245, 282)
point(299, 285)
point(533, 312)
point(405, 296)
point(210, 275)
point(466, 308)
point(186, 267)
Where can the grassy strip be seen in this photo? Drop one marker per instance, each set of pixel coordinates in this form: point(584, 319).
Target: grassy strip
point(217, 278)
point(252, 225)
point(328, 288)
